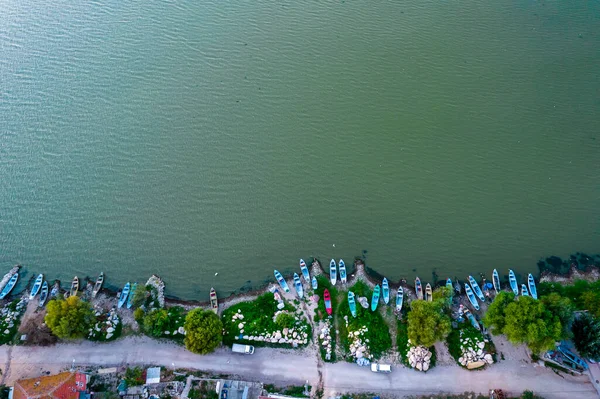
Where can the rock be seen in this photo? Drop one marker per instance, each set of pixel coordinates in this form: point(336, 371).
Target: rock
point(481, 345)
point(175, 332)
point(419, 366)
point(181, 330)
point(428, 356)
point(282, 341)
point(488, 359)
point(241, 316)
point(274, 340)
point(245, 337)
point(241, 325)
point(461, 360)
point(167, 332)
point(425, 366)
point(479, 352)
point(110, 329)
point(359, 354)
point(322, 336)
point(277, 336)
point(285, 331)
point(242, 331)
point(109, 335)
point(294, 334)
point(412, 359)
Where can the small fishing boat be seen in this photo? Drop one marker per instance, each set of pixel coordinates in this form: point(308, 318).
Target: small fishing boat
point(457, 286)
point(512, 279)
point(471, 297)
point(496, 281)
point(472, 319)
point(281, 281)
point(532, 287)
point(304, 270)
point(327, 300)
point(36, 286)
point(315, 284)
point(418, 288)
point(98, 285)
point(131, 294)
point(333, 271)
point(55, 289)
point(74, 286)
point(214, 304)
point(428, 293)
point(476, 288)
point(524, 291)
point(449, 284)
point(352, 303)
point(124, 295)
point(385, 288)
point(298, 285)
point(342, 267)
point(44, 293)
point(399, 299)
point(375, 297)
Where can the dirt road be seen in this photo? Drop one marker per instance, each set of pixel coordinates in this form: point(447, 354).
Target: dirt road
point(285, 366)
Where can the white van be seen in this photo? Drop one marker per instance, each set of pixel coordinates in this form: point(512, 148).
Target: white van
point(245, 349)
point(381, 368)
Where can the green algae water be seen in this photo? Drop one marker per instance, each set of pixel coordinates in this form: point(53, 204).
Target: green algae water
point(190, 138)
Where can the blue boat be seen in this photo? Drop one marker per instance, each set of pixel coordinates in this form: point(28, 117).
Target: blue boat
point(512, 279)
point(333, 271)
point(375, 297)
point(36, 286)
point(124, 295)
point(399, 299)
point(496, 281)
point(532, 288)
point(352, 303)
point(131, 294)
point(9, 286)
point(44, 293)
point(472, 319)
point(418, 288)
point(304, 270)
point(449, 284)
point(386, 291)
point(281, 281)
point(342, 267)
point(314, 282)
point(524, 291)
point(471, 296)
point(476, 288)
point(298, 285)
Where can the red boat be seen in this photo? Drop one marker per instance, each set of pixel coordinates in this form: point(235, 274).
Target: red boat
point(327, 299)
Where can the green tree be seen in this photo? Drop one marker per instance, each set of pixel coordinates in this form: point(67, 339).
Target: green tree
point(427, 323)
point(494, 318)
point(560, 307)
point(69, 318)
point(285, 320)
point(139, 297)
point(443, 294)
point(156, 322)
point(591, 302)
point(204, 331)
point(586, 336)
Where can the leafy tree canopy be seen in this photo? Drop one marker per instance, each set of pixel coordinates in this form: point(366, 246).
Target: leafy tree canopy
point(495, 315)
point(204, 331)
point(560, 307)
point(586, 336)
point(285, 320)
point(427, 323)
point(69, 318)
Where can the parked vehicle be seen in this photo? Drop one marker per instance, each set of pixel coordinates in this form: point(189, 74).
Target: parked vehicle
point(245, 349)
point(381, 368)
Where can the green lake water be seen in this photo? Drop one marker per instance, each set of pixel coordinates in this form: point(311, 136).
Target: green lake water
point(186, 138)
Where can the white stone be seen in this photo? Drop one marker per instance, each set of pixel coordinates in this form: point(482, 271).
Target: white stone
point(425, 366)
point(242, 331)
point(285, 331)
point(167, 332)
point(419, 366)
point(481, 345)
point(282, 341)
point(245, 337)
point(428, 356)
point(241, 316)
point(241, 325)
point(294, 334)
point(109, 335)
point(181, 330)
point(277, 335)
point(110, 329)
point(359, 354)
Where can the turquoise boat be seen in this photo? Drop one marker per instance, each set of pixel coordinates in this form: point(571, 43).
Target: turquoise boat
point(131, 293)
point(333, 272)
point(532, 287)
point(352, 303)
point(304, 270)
point(418, 288)
point(36, 286)
point(399, 299)
point(386, 291)
point(471, 297)
point(512, 279)
point(449, 284)
point(472, 319)
point(496, 281)
point(342, 267)
point(124, 295)
point(298, 285)
point(375, 297)
point(524, 291)
point(476, 288)
point(281, 281)
point(314, 282)
point(9, 286)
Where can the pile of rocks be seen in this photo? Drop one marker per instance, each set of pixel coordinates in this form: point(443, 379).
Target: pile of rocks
point(359, 348)
point(9, 318)
point(156, 282)
point(419, 357)
point(293, 336)
point(473, 353)
point(105, 326)
point(325, 339)
point(180, 330)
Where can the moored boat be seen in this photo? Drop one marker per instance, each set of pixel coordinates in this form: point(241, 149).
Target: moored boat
point(418, 288)
point(281, 281)
point(512, 279)
point(9, 286)
point(352, 303)
point(327, 300)
point(471, 296)
point(532, 287)
point(428, 293)
point(304, 269)
point(457, 286)
point(74, 286)
point(496, 281)
point(44, 293)
point(98, 285)
point(333, 271)
point(375, 297)
point(55, 289)
point(36, 286)
point(524, 291)
point(315, 283)
point(214, 304)
point(298, 285)
point(449, 284)
point(385, 288)
point(131, 294)
point(124, 295)
point(342, 267)
point(472, 319)
point(399, 299)
point(476, 288)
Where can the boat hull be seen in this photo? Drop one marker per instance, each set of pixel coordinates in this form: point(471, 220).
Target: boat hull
point(304, 270)
point(352, 303)
point(471, 297)
point(333, 272)
point(418, 288)
point(476, 288)
point(385, 287)
point(342, 269)
point(124, 295)
point(496, 281)
point(375, 297)
point(532, 287)
point(399, 299)
point(512, 279)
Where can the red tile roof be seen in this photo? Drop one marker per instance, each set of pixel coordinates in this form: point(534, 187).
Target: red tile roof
point(60, 386)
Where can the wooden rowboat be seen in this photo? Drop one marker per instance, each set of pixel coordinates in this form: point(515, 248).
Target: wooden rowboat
point(418, 288)
point(44, 293)
point(74, 286)
point(315, 283)
point(532, 287)
point(496, 281)
point(123, 296)
point(281, 281)
point(98, 285)
point(304, 270)
point(342, 267)
point(298, 285)
point(36, 286)
point(131, 294)
point(385, 288)
point(399, 299)
point(428, 292)
point(214, 304)
point(471, 296)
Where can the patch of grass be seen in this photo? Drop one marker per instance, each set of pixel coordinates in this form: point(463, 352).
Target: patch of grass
point(321, 314)
point(135, 376)
point(296, 391)
point(402, 341)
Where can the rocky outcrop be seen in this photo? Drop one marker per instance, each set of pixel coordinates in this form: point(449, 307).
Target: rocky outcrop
point(156, 282)
point(325, 339)
point(419, 357)
point(359, 348)
point(473, 354)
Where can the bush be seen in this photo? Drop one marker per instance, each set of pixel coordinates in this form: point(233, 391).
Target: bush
point(135, 376)
point(203, 331)
point(159, 321)
point(427, 323)
point(402, 341)
point(69, 318)
point(586, 336)
point(138, 315)
point(285, 320)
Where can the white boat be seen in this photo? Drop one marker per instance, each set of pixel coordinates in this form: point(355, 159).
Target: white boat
point(512, 279)
point(532, 287)
point(342, 267)
point(304, 270)
point(9, 286)
point(44, 293)
point(399, 299)
point(496, 281)
point(98, 285)
point(333, 271)
point(298, 285)
point(36, 286)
